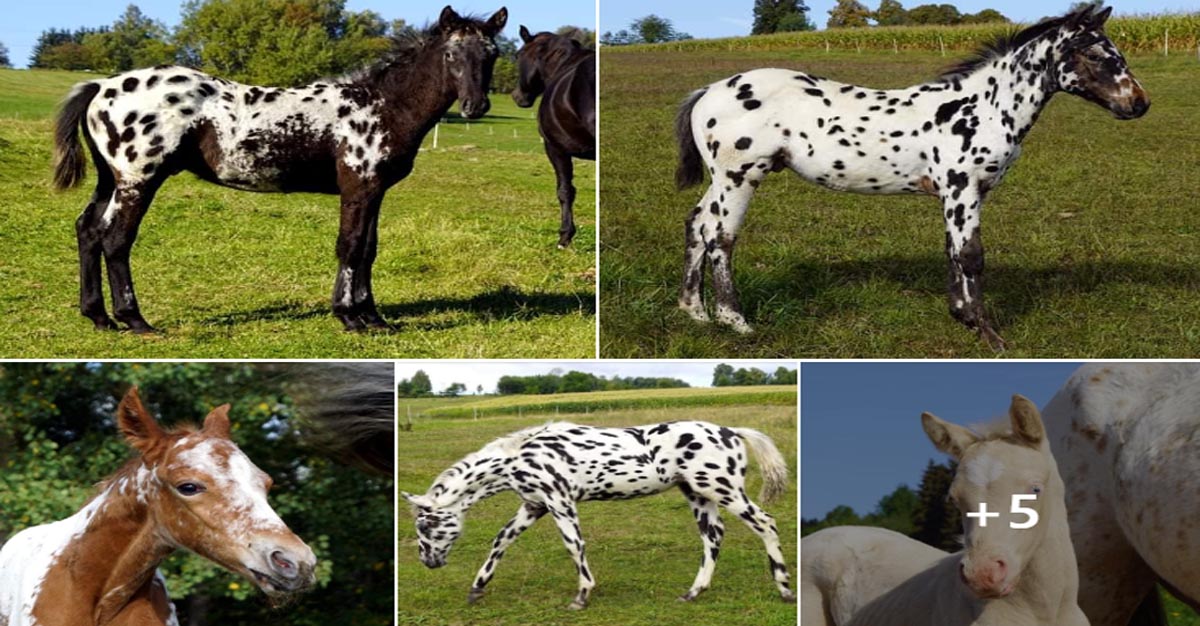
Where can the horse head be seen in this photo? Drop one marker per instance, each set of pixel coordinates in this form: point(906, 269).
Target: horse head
point(437, 528)
point(1088, 65)
point(469, 54)
point(993, 471)
point(206, 496)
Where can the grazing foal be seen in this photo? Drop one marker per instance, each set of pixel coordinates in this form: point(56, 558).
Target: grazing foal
point(953, 138)
point(560, 70)
point(188, 489)
point(553, 467)
point(355, 137)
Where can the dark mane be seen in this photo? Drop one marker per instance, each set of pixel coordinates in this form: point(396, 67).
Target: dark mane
point(1006, 43)
point(406, 48)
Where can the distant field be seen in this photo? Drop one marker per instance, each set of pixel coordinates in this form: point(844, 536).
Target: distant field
point(467, 261)
point(1093, 239)
point(563, 403)
point(643, 552)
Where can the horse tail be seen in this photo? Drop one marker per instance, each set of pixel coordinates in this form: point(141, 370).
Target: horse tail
point(68, 157)
point(348, 410)
point(770, 462)
point(690, 170)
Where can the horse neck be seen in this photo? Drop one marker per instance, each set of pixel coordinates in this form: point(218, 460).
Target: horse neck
point(554, 64)
point(467, 482)
point(1023, 84)
point(121, 547)
point(417, 92)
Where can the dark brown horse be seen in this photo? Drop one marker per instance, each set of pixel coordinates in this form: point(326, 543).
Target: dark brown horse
point(559, 69)
point(355, 137)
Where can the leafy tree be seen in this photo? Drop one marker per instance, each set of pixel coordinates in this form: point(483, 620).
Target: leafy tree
point(890, 13)
point(785, 376)
point(986, 16)
point(58, 437)
point(655, 29)
point(421, 386)
point(578, 33)
point(4, 60)
point(479, 390)
point(946, 14)
point(848, 14)
point(752, 376)
point(775, 16)
point(620, 38)
point(722, 375)
point(49, 53)
point(454, 390)
point(937, 521)
point(895, 511)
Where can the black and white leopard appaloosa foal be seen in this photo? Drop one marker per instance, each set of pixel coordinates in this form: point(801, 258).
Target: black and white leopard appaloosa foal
point(553, 467)
point(355, 136)
point(953, 138)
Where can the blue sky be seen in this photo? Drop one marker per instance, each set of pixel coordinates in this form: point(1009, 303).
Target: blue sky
point(860, 426)
point(727, 18)
point(24, 21)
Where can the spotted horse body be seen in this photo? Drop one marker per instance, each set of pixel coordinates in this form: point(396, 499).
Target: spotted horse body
point(356, 137)
point(552, 467)
point(953, 138)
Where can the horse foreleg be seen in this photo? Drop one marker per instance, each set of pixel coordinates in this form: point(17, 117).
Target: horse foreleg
point(566, 518)
point(120, 223)
point(964, 253)
point(763, 525)
point(564, 173)
point(525, 517)
point(708, 519)
point(89, 235)
point(353, 300)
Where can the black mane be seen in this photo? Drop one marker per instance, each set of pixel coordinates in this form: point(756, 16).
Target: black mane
point(1008, 42)
point(406, 48)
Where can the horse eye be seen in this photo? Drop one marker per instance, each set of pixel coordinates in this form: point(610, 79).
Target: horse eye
point(189, 489)
point(1037, 490)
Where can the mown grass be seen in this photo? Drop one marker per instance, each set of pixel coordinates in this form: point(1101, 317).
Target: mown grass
point(566, 403)
point(1178, 613)
point(1093, 241)
point(467, 261)
point(644, 553)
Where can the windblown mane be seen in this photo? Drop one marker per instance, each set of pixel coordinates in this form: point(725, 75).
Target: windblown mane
point(406, 48)
point(1006, 43)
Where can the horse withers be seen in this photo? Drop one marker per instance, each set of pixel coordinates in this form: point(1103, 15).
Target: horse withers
point(355, 136)
point(188, 488)
point(953, 138)
point(563, 72)
point(1018, 563)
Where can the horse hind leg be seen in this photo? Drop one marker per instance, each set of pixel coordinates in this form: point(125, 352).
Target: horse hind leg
point(120, 223)
point(716, 225)
point(564, 174)
point(712, 530)
point(89, 236)
point(763, 525)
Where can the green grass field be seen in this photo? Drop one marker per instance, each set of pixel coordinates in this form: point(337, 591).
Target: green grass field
point(644, 553)
point(596, 401)
point(1093, 239)
point(467, 261)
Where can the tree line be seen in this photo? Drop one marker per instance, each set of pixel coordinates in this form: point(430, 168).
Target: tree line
point(855, 14)
point(255, 41)
point(925, 515)
point(725, 376)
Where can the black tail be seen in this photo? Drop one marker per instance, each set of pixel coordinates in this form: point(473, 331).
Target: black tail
point(349, 410)
point(690, 170)
point(68, 156)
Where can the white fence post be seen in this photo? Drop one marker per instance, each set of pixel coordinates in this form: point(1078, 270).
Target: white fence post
point(435, 135)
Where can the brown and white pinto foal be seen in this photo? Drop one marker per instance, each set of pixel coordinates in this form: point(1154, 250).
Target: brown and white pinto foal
point(187, 488)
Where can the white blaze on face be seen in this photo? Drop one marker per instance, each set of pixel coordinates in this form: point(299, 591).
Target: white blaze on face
point(236, 482)
point(984, 470)
point(28, 556)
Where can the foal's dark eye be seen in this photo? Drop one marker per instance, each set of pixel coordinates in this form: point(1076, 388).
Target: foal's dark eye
point(189, 489)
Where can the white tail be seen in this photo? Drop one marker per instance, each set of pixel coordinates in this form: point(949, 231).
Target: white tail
point(770, 462)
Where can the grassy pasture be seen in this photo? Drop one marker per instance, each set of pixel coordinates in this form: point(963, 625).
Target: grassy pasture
point(643, 552)
point(467, 261)
point(564, 403)
point(1092, 240)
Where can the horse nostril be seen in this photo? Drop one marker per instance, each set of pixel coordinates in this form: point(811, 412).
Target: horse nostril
point(283, 565)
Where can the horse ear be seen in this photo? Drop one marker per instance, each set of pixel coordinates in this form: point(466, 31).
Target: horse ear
point(448, 19)
point(421, 502)
point(496, 22)
point(140, 428)
point(1082, 16)
point(949, 438)
point(1027, 421)
point(1100, 18)
point(525, 35)
point(216, 423)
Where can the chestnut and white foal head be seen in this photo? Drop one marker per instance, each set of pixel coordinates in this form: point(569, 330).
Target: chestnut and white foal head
point(209, 498)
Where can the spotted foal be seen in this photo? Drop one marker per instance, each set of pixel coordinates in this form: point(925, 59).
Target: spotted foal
point(355, 137)
point(953, 138)
point(553, 467)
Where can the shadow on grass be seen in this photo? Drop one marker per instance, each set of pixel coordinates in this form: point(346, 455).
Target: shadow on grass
point(505, 303)
point(1010, 291)
point(458, 119)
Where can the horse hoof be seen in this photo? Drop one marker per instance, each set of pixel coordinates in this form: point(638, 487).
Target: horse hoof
point(687, 597)
point(576, 606)
point(994, 340)
point(695, 311)
point(474, 595)
point(105, 323)
point(142, 329)
point(789, 598)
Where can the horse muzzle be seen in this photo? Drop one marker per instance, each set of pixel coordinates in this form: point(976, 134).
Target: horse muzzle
point(523, 99)
point(475, 109)
point(283, 572)
point(1132, 111)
